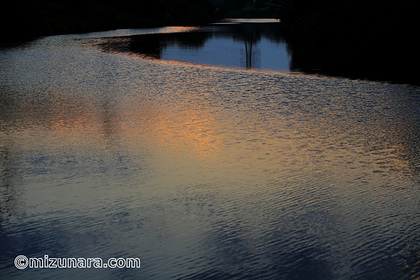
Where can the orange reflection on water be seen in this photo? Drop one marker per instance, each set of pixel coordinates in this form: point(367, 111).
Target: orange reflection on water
point(175, 29)
point(178, 132)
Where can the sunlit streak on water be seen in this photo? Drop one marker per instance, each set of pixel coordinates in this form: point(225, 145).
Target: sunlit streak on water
point(204, 172)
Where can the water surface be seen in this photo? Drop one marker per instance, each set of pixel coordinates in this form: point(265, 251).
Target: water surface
point(264, 44)
point(255, 44)
point(203, 172)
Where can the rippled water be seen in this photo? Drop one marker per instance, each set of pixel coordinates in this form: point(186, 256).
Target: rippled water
point(203, 172)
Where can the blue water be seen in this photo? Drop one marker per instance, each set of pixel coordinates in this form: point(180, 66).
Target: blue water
point(251, 46)
point(202, 172)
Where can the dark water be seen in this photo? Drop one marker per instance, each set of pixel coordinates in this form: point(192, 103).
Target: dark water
point(250, 46)
point(264, 44)
point(202, 172)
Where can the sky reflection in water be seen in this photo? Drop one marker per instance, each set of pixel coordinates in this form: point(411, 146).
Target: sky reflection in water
point(251, 46)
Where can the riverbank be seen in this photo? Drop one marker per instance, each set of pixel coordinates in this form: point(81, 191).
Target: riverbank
point(390, 59)
point(353, 37)
point(26, 20)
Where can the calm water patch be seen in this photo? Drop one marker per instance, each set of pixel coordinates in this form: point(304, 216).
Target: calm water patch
point(202, 172)
point(263, 44)
point(256, 44)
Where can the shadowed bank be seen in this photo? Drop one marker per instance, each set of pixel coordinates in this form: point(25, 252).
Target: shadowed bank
point(22, 20)
point(353, 38)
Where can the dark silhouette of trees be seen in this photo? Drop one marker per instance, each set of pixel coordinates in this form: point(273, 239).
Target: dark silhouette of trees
point(248, 8)
point(31, 18)
point(353, 36)
point(341, 19)
point(187, 12)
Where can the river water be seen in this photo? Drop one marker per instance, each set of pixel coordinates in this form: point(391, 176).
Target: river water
point(202, 172)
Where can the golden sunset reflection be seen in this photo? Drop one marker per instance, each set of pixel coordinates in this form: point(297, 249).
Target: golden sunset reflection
point(194, 131)
point(179, 132)
point(175, 29)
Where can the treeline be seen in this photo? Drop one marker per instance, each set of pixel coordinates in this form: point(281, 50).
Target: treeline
point(31, 18)
point(354, 36)
point(361, 19)
point(248, 8)
point(24, 19)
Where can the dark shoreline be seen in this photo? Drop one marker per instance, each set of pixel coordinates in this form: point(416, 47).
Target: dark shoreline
point(392, 62)
point(30, 19)
point(353, 38)
point(325, 39)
